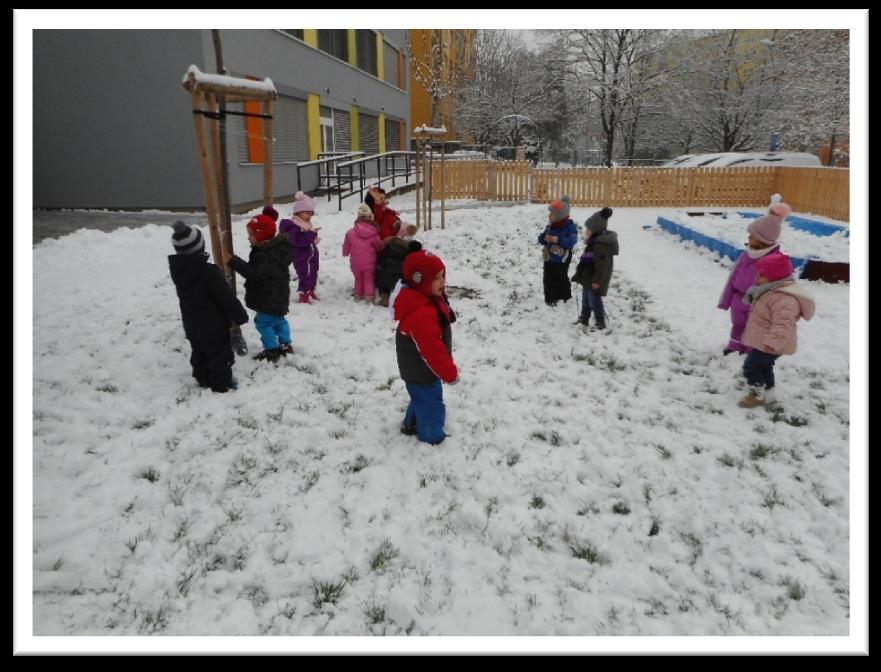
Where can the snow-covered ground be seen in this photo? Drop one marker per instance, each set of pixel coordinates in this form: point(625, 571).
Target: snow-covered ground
point(593, 484)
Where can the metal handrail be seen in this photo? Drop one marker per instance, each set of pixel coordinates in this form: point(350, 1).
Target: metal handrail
point(359, 165)
point(324, 176)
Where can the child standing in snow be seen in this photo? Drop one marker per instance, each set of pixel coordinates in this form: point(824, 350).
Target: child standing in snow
point(390, 262)
point(763, 235)
point(594, 269)
point(424, 344)
point(558, 239)
point(303, 238)
point(387, 220)
point(778, 302)
point(207, 306)
point(267, 288)
point(363, 243)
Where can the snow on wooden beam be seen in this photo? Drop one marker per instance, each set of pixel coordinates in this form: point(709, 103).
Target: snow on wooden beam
point(427, 130)
point(234, 88)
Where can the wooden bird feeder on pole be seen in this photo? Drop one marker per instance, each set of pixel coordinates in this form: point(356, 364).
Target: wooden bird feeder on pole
point(205, 89)
point(423, 168)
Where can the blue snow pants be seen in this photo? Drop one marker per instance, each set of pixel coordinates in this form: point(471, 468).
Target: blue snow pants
point(274, 330)
point(426, 411)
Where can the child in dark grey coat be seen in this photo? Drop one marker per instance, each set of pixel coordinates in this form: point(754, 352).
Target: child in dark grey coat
point(594, 269)
point(208, 308)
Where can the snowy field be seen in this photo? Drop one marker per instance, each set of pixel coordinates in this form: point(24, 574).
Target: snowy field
point(593, 483)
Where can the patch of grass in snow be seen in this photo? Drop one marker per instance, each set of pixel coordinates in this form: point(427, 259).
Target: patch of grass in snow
point(793, 420)
point(149, 474)
point(772, 498)
point(663, 451)
point(383, 555)
point(588, 552)
point(621, 508)
point(585, 509)
point(358, 464)
point(656, 527)
point(760, 451)
point(695, 546)
point(327, 592)
point(729, 461)
point(795, 590)
point(825, 500)
point(537, 502)
point(512, 458)
point(375, 614)
point(387, 385)
point(143, 424)
point(309, 481)
point(58, 564)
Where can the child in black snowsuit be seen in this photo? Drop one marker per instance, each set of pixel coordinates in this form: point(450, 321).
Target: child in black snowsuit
point(267, 285)
point(390, 262)
point(208, 308)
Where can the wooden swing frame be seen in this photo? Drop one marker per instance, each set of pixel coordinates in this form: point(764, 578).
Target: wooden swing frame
point(206, 90)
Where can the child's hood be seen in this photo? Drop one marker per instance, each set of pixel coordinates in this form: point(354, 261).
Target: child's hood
point(805, 300)
point(186, 268)
point(365, 228)
point(609, 239)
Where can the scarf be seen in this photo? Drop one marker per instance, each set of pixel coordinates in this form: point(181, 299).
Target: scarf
point(756, 291)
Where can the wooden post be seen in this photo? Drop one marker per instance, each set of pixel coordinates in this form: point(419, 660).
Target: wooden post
point(267, 153)
point(210, 197)
point(418, 208)
point(224, 234)
point(443, 184)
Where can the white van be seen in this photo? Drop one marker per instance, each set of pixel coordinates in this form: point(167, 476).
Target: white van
point(743, 159)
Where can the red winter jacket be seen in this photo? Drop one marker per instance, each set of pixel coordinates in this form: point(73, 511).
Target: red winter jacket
point(424, 339)
point(385, 219)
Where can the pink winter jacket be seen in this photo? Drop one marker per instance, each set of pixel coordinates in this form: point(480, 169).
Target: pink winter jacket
point(363, 243)
point(771, 325)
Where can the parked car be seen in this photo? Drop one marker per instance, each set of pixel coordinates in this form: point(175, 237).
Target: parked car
point(742, 159)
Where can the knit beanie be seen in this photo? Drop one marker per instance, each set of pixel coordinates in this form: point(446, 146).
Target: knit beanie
point(262, 227)
point(774, 266)
point(420, 269)
point(271, 212)
point(187, 239)
point(767, 227)
point(364, 212)
point(302, 203)
point(558, 210)
point(598, 221)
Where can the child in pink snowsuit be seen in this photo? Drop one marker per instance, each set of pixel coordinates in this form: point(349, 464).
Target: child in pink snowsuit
point(363, 244)
point(763, 235)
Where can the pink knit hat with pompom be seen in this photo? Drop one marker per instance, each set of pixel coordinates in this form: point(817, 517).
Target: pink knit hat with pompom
point(767, 228)
point(302, 203)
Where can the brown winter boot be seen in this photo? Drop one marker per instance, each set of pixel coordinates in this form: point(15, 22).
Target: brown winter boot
point(383, 299)
point(751, 400)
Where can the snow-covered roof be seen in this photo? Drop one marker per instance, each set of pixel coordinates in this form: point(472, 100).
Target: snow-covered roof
point(251, 88)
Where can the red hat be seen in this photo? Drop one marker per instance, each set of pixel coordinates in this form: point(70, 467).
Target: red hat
point(774, 266)
point(420, 270)
point(262, 227)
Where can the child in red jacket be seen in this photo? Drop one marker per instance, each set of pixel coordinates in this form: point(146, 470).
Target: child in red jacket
point(424, 344)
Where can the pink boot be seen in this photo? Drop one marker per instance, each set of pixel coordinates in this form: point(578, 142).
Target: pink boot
point(304, 297)
point(313, 295)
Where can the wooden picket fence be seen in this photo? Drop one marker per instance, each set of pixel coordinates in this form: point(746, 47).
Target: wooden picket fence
point(821, 191)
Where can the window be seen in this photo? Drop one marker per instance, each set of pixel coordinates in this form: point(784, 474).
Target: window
point(390, 56)
point(365, 41)
point(369, 129)
point(327, 134)
point(294, 33)
point(288, 127)
point(392, 135)
point(335, 43)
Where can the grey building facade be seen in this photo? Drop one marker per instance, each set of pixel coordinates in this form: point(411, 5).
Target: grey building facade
point(113, 126)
